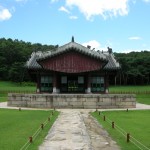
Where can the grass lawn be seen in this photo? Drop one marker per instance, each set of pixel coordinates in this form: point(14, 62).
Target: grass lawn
point(130, 89)
point(16, 127)
point(6, 86)
point(137, 123)
point(3, 97)
point(143, 98)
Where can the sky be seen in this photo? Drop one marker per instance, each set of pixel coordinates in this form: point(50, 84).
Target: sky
point(123, 25)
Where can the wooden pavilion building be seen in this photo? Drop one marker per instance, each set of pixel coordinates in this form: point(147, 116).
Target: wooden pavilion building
point(72, 68)
point(72, 76)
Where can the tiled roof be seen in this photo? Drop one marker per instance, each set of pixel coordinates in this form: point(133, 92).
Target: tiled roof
point(112, 63)
point(104, 56)
point(32, 63)
point(76, 47)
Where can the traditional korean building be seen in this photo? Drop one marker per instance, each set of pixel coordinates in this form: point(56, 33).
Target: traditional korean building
point(72, 68)
point(72, 76)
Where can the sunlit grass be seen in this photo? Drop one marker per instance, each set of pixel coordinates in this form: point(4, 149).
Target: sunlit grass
point(134, 122)
point(130, 89)
point(16, 127)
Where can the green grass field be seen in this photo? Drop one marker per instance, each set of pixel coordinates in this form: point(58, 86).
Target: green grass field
point(143, 98)
point(16, 127)
point(130, 89)
point(6, 86)
point(137, 123)
point(3, 97)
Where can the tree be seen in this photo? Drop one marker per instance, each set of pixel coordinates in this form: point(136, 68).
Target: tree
point(13, 56)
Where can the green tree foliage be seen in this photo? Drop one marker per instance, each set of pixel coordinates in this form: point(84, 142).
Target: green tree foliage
point(135, 68)
point(13, 56)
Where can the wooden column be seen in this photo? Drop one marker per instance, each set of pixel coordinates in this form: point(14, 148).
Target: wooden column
point(54, 82)
point(88, 83)
point(106, 83)
point(38, 86)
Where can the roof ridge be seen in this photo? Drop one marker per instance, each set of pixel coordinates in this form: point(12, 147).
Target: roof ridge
point(32, 60)
point(77, 47)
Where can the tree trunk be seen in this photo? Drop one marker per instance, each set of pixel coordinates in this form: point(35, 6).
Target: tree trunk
point(120, 78)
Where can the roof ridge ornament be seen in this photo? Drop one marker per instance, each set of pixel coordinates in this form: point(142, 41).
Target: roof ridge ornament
point(109, 50)
point(72, 40)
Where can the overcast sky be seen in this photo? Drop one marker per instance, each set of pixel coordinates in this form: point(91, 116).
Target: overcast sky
point(123, 25)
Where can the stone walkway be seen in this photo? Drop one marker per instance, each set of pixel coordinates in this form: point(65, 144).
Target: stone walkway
point(77, 130)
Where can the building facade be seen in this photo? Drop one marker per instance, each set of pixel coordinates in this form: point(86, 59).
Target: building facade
point(72, 68)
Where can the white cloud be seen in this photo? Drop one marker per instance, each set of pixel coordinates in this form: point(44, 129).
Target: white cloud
point(146, 1)
point(4, 14)
point(104, 8)
point(64, 9)
point(73, 17)
point(93, 43)
point(97, 46)
point(135, 38)
point(134, 1)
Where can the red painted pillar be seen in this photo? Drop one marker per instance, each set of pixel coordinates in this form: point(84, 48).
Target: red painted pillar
point(88, 83)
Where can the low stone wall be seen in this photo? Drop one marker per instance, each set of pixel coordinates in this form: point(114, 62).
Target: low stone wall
point(82, 101)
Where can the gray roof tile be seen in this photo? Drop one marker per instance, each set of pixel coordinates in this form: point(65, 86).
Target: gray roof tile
point(104, 56)
point(76, 47)
point(32, 63)
point(112, 63)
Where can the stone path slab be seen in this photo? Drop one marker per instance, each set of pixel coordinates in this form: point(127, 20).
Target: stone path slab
point(68, 133)
point(75, 130)
point(100, 139)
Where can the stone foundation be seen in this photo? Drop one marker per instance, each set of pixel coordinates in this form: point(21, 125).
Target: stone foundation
point(83, 101)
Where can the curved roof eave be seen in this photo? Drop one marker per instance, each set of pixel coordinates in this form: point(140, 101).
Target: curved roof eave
point(76, 47)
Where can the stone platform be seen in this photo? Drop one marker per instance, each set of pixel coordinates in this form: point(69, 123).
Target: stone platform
point(80, 101)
